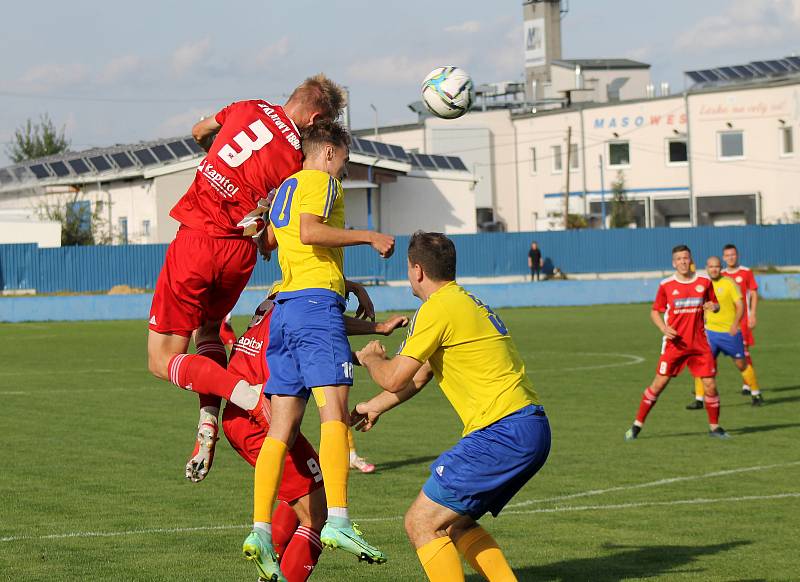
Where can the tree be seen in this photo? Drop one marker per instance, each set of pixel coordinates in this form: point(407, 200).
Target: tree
point(37, 140)
point(80, 223)
point(621, 214)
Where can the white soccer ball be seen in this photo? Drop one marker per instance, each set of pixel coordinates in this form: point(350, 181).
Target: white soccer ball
point(448, 92)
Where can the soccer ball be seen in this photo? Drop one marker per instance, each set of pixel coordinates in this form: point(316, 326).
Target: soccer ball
point(448, 92)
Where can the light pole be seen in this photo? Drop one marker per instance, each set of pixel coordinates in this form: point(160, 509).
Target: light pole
point(375, 109)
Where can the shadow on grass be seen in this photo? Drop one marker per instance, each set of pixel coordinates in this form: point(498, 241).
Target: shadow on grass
point(764, 428)
point(630, 562)
point(783, 389)
point(404, 462)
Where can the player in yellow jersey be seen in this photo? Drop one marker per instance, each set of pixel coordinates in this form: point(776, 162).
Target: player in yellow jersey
point(308, 350)
point(506, 437)
point(723, 329)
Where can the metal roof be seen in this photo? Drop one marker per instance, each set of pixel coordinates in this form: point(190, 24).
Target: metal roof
point(597, 64)
point(146, 159)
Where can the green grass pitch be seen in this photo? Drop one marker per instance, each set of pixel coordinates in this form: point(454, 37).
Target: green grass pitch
point(93, 448)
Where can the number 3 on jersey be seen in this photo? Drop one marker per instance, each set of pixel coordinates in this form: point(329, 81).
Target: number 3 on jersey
point(247, 146)
point(282, 205)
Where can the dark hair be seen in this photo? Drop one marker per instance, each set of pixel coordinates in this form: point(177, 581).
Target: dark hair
point(322, 133)
point(729, 247)
point(680, 249)
point(435, 253)
point(320, 94)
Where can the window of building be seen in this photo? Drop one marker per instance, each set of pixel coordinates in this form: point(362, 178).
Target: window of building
point(677, 152)
point(146, 228)
point(619, 154)
point(574, 159)
point(787, 141)
point(79, 216)
point(123, 230)
point(533, 160)
point(558, 163)
point(731, 145)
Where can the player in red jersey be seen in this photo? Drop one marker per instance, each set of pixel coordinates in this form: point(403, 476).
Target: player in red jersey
point(257, 146)
point(295, 533)
point(748, 287)
point(681, 301)
point(226, 331)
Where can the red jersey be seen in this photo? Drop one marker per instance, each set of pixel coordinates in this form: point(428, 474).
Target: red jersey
point(256, 149)
point(249, 354)
point(746, 281)
point(682, 306)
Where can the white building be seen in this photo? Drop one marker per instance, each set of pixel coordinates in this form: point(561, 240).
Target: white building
point(129, 190)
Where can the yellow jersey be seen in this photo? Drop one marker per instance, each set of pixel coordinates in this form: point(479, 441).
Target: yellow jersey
point(727, 295)
point(308, 267)
point(472, 355)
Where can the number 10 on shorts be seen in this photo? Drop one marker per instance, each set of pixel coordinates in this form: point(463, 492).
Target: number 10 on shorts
point(347, 368)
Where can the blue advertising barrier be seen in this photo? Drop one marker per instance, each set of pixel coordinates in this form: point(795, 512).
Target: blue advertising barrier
point(543, 294)
point(99, 268)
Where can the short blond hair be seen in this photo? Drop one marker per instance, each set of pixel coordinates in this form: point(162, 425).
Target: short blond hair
point(320, 95)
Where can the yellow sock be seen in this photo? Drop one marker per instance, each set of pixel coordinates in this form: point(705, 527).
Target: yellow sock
point(350, 442)
point(699, 392)
point(334, 458)
point(269, 470)
point(440, 560)
point(749, 377)
point(485, 556)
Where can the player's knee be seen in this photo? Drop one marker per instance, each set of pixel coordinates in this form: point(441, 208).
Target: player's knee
point(158, 365)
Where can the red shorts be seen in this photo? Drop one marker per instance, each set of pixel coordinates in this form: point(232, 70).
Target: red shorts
point(747, 335)
point(700, 361)
point(201, 280)
point(301, 472)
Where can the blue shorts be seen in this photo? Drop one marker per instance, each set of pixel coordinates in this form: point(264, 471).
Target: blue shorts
point(730, 345)
point(486, 468)
point(308, 346)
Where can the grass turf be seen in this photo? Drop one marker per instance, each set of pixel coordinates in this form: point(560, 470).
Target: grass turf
point(92, 487)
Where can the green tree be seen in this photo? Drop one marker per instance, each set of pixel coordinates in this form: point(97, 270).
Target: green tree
point(82, 222)
point(621, 214)
point(37, 140)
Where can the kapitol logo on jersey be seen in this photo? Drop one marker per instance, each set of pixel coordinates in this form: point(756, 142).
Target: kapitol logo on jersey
point(249, 345)
point(220, 182)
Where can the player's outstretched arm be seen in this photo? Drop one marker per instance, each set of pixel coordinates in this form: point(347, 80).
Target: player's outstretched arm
point(366, 414)
point(365, 310)
point(204, 131)
point(391, 375)
point(356, 326)
point(314, 231)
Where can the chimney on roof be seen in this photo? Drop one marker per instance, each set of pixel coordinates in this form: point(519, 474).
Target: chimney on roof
point(664, 88)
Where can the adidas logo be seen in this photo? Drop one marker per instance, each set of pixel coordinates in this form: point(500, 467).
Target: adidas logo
point(153, 320)
point(676, 292)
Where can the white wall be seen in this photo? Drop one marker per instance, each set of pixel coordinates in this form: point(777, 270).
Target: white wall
point(43, 233)
point(428, 202)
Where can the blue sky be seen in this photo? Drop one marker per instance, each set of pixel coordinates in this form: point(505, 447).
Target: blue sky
point(115, 72)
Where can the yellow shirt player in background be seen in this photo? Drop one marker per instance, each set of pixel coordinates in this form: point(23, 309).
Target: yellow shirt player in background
point(506, 436)
point(308, 348)
point(723, 330)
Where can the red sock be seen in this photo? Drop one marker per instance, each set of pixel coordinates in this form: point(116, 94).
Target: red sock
point(284, 523)
point(202, 375)
point(302, 554)
point(648, 401)
point(213, 350)
point(712, 409)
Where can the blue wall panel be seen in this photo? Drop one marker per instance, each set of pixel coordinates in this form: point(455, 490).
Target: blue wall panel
point(82, 269)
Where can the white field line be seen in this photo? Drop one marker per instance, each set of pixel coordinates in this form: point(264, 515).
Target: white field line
point(632, 360)
point(657, 483)
point(614, 507)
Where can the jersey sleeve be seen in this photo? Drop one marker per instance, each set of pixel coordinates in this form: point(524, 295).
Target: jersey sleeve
point(425, 334)
point(223, 113)
point(752, 285)
point(660, 303)
point(317, 195)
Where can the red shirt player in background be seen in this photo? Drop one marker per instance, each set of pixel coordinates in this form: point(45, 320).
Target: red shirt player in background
point(748, 287)
point(681, 301)
point(257, 146)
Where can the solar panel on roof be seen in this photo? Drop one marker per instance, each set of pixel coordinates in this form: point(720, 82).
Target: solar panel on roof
point(122, 160)
point(457, 163)
point(777, 66)
point(761, 67)
point(711, 75)
point(145, 157)
point(60, 169)
point(179, 148)
point(383, 149)
point(100, 163)
point(696, 77)
point(193, 147)
point(21, 172)
point(425, 161)
point(162, 153)
point(744, 71)
point(40, 171)
point(399, 152)
point(729, 73)
point(795, 61)
point(441, 162)
point(367, 147)
point(79, 166)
